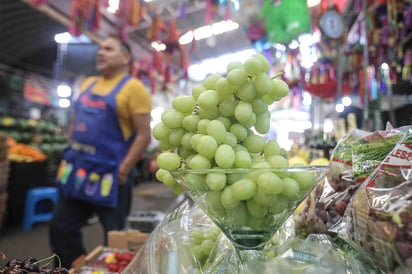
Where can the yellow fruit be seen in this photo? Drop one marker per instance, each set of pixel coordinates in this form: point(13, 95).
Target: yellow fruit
point(319, 162)
point(297, 160)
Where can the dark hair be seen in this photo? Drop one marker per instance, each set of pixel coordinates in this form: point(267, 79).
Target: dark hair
point(123, 44)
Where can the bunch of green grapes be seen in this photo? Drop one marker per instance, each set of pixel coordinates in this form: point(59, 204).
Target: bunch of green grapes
point(220, 126)
point(202, 243)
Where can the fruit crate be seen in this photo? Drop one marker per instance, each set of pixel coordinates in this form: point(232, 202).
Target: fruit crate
point(145, 221)
point(4, 175)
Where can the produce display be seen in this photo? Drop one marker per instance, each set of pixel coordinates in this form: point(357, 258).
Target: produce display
point(31, 265)
point(352, 161)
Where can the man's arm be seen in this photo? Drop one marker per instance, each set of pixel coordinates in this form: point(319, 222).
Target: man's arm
point(141, 125)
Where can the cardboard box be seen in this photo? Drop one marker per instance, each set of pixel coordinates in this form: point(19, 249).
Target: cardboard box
point(130, 239)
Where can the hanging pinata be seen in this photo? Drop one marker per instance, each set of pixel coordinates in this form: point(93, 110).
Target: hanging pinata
point(85, 15)
point(285, 19)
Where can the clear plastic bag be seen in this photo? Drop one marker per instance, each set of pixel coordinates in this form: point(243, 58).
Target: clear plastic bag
point(378, 220)
point(175, 246)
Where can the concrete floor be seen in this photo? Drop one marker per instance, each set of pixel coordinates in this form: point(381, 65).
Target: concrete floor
point(16, 243)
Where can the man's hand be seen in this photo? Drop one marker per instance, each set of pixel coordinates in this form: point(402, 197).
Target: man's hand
point(123, 173)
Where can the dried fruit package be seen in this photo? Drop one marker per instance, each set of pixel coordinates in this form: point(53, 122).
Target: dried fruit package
point(379, 217)
point(325, 205)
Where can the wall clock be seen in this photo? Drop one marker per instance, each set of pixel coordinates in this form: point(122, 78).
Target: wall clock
point(331, 24)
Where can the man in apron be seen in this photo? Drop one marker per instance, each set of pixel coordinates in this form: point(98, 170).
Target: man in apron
point(109, 133)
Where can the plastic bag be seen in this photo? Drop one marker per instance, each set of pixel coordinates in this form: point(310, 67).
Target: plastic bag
point(378, 219)
point(175, 246)
point(317, 254)
point(325, 205)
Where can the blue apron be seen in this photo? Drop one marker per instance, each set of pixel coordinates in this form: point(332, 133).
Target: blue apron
point(90, 164)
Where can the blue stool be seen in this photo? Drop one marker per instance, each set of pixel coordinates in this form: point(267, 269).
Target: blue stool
point(39, 205)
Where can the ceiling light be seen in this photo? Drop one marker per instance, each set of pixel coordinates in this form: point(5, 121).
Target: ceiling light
point(64, 91)
point(207, 31)
point(62, 38)
point(113, 6)
point(312, 3)
point(339, 108)
point(64, 103)
point(346, 101)
point(158, 46)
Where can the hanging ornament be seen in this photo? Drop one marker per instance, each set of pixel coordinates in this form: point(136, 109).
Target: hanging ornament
point(37, 3)
point(84, 15)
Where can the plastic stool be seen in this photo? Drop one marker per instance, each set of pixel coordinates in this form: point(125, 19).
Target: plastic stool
point(35, 198)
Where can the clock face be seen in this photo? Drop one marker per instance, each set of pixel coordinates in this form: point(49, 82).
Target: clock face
point(331, 24)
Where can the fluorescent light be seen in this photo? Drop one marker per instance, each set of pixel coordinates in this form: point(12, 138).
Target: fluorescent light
point(207, 31)
point(346, 101)
point(64, 91)
point(64, 103)
point(113, 6)
point(328, 125)
point(312, 3)
point(339, 108)
point(62, 38)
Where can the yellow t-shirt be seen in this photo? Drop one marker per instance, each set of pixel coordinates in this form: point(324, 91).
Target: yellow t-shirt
point(132, 99)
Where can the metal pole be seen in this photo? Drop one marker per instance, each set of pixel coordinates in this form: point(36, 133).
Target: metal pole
point(365, 66)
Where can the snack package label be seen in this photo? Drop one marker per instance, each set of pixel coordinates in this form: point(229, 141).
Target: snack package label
point(400, 156)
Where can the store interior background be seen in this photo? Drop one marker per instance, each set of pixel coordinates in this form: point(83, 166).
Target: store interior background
point(370, 64)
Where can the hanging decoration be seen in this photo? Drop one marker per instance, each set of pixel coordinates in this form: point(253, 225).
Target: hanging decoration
point(143, 69)
point(84, 15)
point(37, 3)
point(285, 19)
point(129, 14)
point(173, 58)
point(212, 7)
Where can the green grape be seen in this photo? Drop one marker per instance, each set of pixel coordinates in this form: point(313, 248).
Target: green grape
point(291, 188)
point(160, 173)
point(259, 106)
point(212, 198)
point(237, 77)
point(207, 246)
point(260, 165)
point(228, 199)
point(161, 131)
point(234, 65)
point(263, 199)
point(202, 126)
point(177, 189)
point(263, 83)
point(216, 181)
point(172, 118)
point(283, 152)
point(225, 121)
point(305, 179)
point(244, 189)
point(186, 140)
point(210, 81)
point(243, 111)
point(225, 156)
point(190, 122)
point(197, 90)
point(262, 124)
point(168, 179)
point(175, 137)
point(255, 209)
point(233, 178)
point(212, 233)
point(243, 159)
point(247, 92)
point(278, 161)
point(270, 183)
point(224, 89)
point(209, 113)
point(184, 103)
point(264, 63)
point(164, 144)
point(195, 182)
point(197, 252)
point(280, 204)
point(168, 160)
point(254, 143)
point(227, 107)
point(217, 130)
point(206, 146)
point(185, 152)
point(194, 140)
point(271, 148)
point(199, 162)
point(252, 66)
point(254, 222)
point(239, 131)
point(239, 147)
point(268, 100)
point(249, 122)
point(279, 88)
point(237, 217)
point(230, 140)
point(196, 236)
point(208, 99)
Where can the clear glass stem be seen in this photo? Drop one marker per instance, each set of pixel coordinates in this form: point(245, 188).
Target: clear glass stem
point(246, 256)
